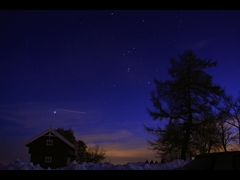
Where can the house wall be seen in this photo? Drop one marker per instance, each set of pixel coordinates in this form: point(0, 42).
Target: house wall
point(57, 160)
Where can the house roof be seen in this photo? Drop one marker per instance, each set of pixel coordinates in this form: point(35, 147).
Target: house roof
point(53, 132)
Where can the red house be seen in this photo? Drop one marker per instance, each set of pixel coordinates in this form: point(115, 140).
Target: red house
point(51, 149)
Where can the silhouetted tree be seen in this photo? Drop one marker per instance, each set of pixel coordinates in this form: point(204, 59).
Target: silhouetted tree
point(205, 137)
point(233, 105)
point(81, 152)
point(168, 147)
point(94, 154)
point(226, 134)
point(162, 160)
point(182, 103)
point(68, 134)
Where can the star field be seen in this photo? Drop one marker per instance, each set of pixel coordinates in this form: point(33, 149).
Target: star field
point(56, 64)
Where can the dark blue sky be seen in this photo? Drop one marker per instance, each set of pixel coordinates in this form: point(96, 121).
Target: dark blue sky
point(93, 70)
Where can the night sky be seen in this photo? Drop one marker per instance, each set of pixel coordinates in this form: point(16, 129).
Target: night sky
point(92, 71)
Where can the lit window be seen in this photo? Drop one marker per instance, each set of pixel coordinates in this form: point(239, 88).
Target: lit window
point(48, 159)
point(49, 142)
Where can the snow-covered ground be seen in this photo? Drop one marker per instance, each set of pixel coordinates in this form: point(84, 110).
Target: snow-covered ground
point(21, 165)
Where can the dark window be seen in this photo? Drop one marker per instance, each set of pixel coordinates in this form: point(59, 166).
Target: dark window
point(49, 142)
point(48, 159)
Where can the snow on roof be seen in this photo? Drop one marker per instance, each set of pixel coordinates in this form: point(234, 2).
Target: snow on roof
point(55, 133)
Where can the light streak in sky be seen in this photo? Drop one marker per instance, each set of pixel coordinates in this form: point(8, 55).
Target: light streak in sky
point(66, 110)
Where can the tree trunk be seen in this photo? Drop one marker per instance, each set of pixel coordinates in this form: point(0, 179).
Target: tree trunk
point(188, 124)
point(186, 139)
point(239, 135)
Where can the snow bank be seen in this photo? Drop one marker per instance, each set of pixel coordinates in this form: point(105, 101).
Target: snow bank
point(20, 165)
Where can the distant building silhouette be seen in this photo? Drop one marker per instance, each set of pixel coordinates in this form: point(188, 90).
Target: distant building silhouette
point(51, 149)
